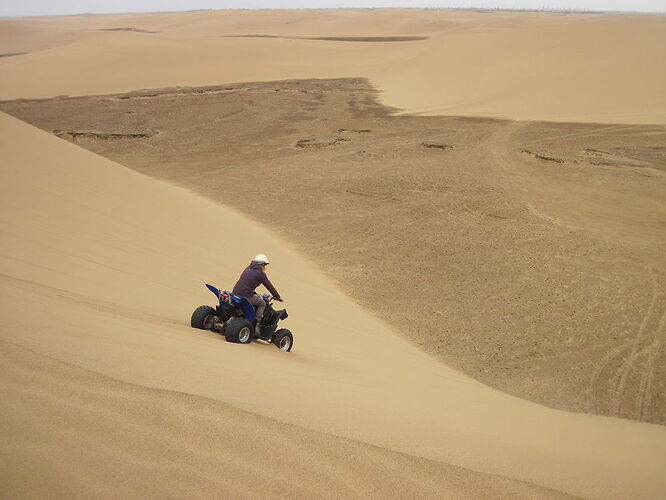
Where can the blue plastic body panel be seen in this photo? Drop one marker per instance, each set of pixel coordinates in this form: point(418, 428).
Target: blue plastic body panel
point(216, 291)
point(248, 309)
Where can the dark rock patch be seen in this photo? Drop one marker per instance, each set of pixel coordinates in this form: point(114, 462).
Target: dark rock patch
point(595, 152)
point(325, 142)
point(371, 38)
point(11, 54)
point(432, 145)
point(129, 28)
point(340, 38)
point(92, 134)
point(543, 156)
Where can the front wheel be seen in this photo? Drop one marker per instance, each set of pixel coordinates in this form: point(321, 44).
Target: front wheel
point(239, 330)
point(202, 317)
point(283, 340)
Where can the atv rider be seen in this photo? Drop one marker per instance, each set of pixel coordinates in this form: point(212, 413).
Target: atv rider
point(253, 276)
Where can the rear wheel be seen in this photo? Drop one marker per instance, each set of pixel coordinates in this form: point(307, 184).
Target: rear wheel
point(283, 340)
point(239, 330)
point(202, 317)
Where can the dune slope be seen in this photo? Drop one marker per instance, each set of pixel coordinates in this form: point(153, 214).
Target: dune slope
point(101, 268)
point(70, 433)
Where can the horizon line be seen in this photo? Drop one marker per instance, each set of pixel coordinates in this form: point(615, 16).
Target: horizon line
point(552, 10)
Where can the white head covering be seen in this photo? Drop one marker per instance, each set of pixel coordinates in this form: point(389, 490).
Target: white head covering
point(261, 258)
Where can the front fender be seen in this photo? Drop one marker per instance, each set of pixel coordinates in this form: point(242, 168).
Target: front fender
point(248, 310)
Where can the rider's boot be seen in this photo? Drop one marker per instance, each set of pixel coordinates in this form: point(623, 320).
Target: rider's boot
point(258, 332)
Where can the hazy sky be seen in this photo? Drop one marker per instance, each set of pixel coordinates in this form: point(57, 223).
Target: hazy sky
point(54, 7)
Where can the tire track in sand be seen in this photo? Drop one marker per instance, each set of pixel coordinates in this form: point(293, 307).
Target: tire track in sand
point(655, 349)
point(603, 130)
point(499, 151)
point(631, 361)
point(648, 342)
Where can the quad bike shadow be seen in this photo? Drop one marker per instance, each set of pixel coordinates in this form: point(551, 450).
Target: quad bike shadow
point(235, 318)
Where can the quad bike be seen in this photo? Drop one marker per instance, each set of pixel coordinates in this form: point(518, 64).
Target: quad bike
point(235, 318)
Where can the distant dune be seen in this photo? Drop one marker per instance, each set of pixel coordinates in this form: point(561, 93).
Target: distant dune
point(518, 65)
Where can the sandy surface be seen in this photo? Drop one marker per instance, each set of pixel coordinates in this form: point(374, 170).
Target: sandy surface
point(114, 439)
point(527, 254)
point(528, 66)
point(101, 268)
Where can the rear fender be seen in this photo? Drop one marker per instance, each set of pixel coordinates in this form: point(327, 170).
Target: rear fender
point(216, 291)
point(218, 294)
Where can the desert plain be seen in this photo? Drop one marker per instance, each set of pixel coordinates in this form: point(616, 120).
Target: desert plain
point(465, 212)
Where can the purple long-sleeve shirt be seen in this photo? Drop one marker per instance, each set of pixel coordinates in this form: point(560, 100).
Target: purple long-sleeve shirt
point(251, 278)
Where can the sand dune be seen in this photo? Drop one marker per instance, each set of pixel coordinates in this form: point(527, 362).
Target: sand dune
point(529, 66)
point(527, 255)
point(70, 433)
point(101, 268)
point(106, 387)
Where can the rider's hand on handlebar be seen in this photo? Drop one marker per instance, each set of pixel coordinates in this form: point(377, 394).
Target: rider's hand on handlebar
point(279, 300)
